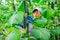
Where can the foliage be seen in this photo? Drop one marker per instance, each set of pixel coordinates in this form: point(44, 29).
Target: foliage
point(14, 35)
point(48, 24)
point(16, 18)
point(40, 22)
point(55, 31)
point(41, 33)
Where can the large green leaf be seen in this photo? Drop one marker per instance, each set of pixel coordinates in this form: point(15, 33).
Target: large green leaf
point(41, 33)
point(16, 18)
point(21, 7)
point(48, 13)
point(40, 21)
point(14, 35)
point(55, 31)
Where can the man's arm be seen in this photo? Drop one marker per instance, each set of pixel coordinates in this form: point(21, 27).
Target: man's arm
point(30, 20)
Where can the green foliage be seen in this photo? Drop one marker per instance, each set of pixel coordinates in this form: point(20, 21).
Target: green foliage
point(55, 31)
point(4, 8)
point(48, 13)
point(21, 7)
point(41, 33)
point(7, 25)
point(9, 17)
point(16, 18)
point(40, 22)
point(14, 35)
point(31, 38)
point(52, 0)
point(36, 1)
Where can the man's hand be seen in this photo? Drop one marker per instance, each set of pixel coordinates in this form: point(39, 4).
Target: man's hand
point(30, 19)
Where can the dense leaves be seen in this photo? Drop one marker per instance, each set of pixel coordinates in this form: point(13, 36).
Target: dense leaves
point(21, 7)
point(55, 31)
point(48, 13)
point(41, 33)
point(16, 18)
point(9, 17)
point(14, 35)
point(40, 22)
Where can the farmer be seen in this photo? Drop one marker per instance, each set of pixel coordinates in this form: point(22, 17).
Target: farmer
point(36, 14)
point(37, 19)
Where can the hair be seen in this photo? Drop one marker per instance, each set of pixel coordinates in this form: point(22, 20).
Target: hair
point(35, 10)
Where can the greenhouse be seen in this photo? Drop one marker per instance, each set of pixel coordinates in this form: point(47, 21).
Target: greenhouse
point(29, 19)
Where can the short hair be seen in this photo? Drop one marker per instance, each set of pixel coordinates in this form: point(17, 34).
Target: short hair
point(35, 10)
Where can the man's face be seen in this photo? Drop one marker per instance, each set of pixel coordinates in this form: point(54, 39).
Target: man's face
point(36, 14)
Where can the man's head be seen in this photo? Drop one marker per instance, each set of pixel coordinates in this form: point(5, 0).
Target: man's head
point(36, 13)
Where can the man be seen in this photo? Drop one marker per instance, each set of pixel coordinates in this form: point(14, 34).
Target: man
point(36, 13)
point(37, 21)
